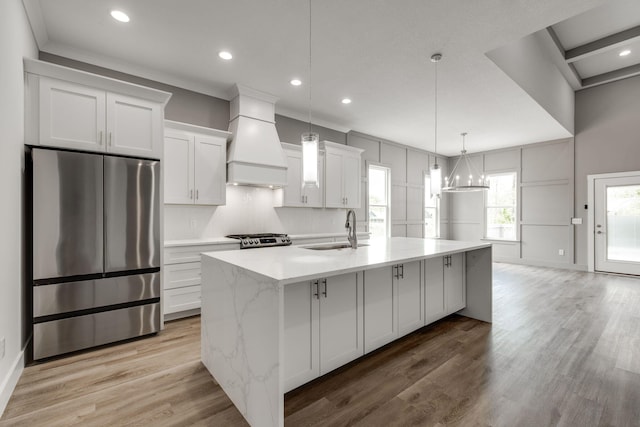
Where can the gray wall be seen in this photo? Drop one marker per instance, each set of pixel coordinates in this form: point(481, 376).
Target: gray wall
point(289, 130)
point(607, 140)
point(408, 166)
point(545, 203)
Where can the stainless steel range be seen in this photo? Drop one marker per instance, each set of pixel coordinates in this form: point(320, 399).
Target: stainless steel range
point(248, 241)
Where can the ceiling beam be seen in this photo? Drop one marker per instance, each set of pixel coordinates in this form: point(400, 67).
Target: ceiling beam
point(567, 69)
point(623, 73)
point(601, 45)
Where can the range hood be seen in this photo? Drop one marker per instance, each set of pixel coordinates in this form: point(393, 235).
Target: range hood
point(254, 156)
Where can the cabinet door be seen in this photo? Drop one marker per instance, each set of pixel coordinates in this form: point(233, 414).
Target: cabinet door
point(301, 334)
point(351, 181)
point(314, 195)
point(178, 169)
point(71, 116)
point(134, 126)
point(455, 289)
point(434, 289)
point(380, 305)
point(210, 170)
point(410, 298)
point(293, 190)
point(333, 197)
point(182, 275)
point(182, 299)
point(341, 329)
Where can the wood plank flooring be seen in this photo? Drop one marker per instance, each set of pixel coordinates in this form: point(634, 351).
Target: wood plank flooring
point(564, 349)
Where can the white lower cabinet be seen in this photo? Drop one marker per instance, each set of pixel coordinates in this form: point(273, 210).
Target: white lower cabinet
point(322, 327)
point(410, 297)
point(445, 288)
point(182, 279)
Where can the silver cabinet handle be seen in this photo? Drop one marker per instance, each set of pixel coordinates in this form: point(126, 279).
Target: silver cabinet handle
point(599, 232)
point(110, 139)
point(197, 194)
point(395, 271)
point(301, 199)
point(100, 138)
point(316, 293)
point(324, 282)
point(401, 274)
point(191, 194)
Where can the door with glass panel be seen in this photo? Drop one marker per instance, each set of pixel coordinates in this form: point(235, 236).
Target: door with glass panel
point(617, 225)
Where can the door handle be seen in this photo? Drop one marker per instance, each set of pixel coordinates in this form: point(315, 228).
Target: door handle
point(401, 271)
point(110, 139)
point(191, 194)
point(324, 282)
point(100, 138)
point(599, 232)
point(316, 293)
point(197, 194)
point(395, 271)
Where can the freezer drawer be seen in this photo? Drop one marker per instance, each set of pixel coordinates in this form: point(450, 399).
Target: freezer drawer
point(86, 294)
point(77, 333)
point(131, 214)
point(67, 214)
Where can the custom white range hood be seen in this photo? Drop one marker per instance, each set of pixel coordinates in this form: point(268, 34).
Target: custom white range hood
point(254, 156)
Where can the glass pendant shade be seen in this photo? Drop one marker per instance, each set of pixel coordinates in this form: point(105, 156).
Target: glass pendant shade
point(310, 142)
point(435, 174)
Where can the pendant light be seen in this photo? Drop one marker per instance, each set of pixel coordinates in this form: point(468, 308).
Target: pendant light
point(310, 140)
point(473, 182)
point(435, 172)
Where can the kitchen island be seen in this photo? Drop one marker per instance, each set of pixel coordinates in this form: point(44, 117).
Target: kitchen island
point(275, 318)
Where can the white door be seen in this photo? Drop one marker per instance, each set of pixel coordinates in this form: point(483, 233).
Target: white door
point(314, 195)
point(71, 115)
point(178, 169)
point(341, 329)
point(293, 190)
point(351, 181)
point(333, 196)
point(210, 170)
point(435, 307)
point(410, 298)
point(380, 302)
point(134, 126)
point(454, 284)
point(301, 334)
point(617, 225)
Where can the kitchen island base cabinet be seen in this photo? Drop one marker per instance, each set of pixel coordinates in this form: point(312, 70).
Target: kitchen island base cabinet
point(410, 297)
point(445, 286)
point(322, 327)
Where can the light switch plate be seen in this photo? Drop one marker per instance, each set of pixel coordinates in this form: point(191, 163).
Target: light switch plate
point(576, 221)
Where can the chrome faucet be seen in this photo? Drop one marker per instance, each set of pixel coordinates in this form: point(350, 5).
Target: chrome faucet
point(350, 225)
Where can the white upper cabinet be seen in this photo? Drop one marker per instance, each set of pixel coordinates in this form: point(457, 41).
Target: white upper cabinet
point(73, 109)
point(342, 176)
point(195, 161)
point(294, 194)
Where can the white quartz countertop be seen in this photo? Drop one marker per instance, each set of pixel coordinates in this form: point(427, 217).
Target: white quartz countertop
point(203, 241)
point(290, 264)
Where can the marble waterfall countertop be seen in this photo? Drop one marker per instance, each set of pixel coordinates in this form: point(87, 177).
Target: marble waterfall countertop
point(291, 264)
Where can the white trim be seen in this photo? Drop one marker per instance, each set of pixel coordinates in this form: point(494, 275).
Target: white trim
point(545, 264)
point(9, 383)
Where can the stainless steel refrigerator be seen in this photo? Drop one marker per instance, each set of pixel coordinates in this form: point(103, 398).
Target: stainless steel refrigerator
point(95, 249)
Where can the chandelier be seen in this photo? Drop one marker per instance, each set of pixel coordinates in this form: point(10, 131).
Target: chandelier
point(455, 183)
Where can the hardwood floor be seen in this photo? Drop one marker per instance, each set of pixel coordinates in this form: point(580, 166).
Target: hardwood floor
point(564, 349)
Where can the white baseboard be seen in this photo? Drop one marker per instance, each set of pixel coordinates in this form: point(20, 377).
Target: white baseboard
point(535, 263)
point(9, 382)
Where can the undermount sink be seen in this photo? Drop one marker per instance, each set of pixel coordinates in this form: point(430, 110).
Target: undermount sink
point(333, 246)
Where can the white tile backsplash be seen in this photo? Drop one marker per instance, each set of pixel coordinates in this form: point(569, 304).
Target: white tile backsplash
point(248, 210)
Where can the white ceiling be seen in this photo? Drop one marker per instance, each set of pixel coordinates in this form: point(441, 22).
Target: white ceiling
point(373, 51)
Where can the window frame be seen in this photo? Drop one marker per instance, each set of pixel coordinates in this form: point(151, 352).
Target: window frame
point(387, 168)
point(427, 189)
point(516, 206)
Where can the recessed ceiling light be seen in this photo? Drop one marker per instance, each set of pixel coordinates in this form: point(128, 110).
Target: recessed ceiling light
point(346, 101)
point(225, 55)
point(119, 15)
point(296, 82)
point(625, 52)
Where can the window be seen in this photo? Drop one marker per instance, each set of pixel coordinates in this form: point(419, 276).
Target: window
point(431, 211)
point(501, 206)
point(379, 201)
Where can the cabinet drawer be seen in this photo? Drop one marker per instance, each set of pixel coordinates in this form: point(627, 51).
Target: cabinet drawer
point(181, 299)
point(182, 275)
point(179, 254)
